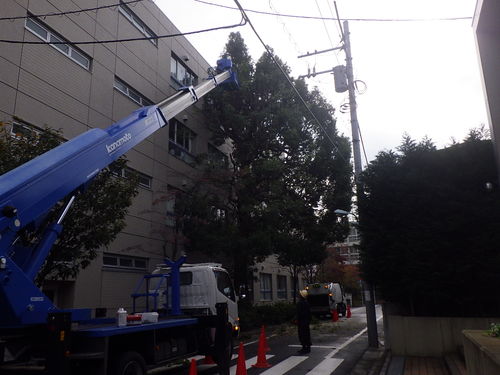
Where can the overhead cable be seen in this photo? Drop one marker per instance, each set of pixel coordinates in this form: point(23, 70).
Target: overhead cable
point(45, 15)
point(271, 54)
point(335, 19)
point(242, 23)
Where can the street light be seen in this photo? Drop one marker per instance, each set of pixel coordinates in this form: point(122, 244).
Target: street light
point(340, 212)
point(369, 298)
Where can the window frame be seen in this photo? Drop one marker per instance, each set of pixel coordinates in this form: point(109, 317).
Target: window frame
point(30, 130)
point(123, 87)
point(282, 293)
point(125, 258)
point(266, 292)
point(49, 34)
point(180, 81)
point(123, 173)
point(177, 147)
point(139, 24)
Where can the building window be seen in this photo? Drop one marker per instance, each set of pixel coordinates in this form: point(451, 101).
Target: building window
point(58, 42)
point(181, 74)
point(138, 23)
point(181, 140)
point(282, 287)
point(124, 261)
point(20, 130)
point(145, 181)
point(266, 287)
point(216, 157)
point(131, 93)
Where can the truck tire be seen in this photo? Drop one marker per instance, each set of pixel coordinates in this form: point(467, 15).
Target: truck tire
point(129, 363)
point(223, 359)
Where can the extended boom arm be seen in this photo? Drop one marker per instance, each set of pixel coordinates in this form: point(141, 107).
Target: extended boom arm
point(28, 192)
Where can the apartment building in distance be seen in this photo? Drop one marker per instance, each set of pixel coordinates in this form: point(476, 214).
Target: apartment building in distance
point(48, 81)
point(348, 249)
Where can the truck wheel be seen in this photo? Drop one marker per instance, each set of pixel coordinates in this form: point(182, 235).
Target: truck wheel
point(129, 363)
point(223, 359)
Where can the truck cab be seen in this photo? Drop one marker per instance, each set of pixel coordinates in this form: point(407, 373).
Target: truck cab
point(202, 286)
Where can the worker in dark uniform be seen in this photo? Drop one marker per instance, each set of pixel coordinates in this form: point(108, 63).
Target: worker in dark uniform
point(303, 320)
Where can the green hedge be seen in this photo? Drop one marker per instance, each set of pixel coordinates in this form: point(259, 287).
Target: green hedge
point(252, 317)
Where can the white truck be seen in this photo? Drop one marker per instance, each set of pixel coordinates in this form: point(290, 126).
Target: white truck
point(323, 298)
point(202, 287)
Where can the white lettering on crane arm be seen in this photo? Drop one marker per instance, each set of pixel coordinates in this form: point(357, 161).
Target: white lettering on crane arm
point(119, 142)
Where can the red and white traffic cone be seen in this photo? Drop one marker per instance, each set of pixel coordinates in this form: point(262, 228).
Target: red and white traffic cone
point(335, 315)
point(241, 367)
point(348, 314)
point(261, 354)
point(192, 368)
point(263, 334)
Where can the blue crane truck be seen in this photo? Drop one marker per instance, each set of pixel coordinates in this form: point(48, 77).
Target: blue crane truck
point(34, 333)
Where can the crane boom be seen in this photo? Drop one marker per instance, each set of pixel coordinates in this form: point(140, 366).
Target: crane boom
point(31, 190)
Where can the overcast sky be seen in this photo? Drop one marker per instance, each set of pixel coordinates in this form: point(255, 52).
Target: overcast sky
point(422, 77)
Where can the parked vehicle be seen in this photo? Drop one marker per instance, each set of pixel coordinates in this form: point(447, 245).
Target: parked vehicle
point(323, 298)
point(202, 287)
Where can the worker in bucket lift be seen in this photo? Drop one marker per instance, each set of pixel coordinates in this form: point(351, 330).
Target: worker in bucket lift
point(303, 320)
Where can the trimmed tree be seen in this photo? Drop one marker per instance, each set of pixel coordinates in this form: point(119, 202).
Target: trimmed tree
point(286, 178)
point(429, 228)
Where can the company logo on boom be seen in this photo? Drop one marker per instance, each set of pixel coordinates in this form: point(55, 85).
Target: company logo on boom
point(119, 142)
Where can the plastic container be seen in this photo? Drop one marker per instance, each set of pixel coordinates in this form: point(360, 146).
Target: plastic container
point(121, 317)
point(150, 317)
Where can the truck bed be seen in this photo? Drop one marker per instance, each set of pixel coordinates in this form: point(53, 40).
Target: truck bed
point(106, 330)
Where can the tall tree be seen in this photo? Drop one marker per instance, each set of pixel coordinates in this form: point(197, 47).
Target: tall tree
point(429, 227)
point(94, 220)
point(287, 176)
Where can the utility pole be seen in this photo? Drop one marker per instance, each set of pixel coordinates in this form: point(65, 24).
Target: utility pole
point(369, 295)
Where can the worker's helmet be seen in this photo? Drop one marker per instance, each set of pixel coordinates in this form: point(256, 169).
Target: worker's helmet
point(303, 293)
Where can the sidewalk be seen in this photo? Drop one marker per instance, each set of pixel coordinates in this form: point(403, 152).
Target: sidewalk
point(380, 362)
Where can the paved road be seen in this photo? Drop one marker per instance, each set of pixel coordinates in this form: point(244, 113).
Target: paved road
point(337, 347)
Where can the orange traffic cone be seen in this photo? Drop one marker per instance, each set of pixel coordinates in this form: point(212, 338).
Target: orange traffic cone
point(349, 311)
point(208, 360)
point(335, 315)
point(263, 334)
point(261, 354)
point(241, 368)
point(192, 367)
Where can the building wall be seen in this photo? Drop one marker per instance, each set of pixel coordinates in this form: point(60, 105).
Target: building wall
point(40, 86)
point(349, 249)
point(487, 32)
point(271, 269)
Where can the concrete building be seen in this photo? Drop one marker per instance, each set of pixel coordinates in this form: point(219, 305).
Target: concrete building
point(487, 32)
point(48, 81)
point(273, 283)
point(348, 249)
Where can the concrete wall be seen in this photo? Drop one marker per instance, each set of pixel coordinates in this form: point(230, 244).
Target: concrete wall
point(429, 336)
point(482, 353)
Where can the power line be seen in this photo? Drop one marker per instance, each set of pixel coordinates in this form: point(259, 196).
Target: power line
point(335, 19)
point(242, 23)
point(69, 11)
point(271, 54)
point(324, 24)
